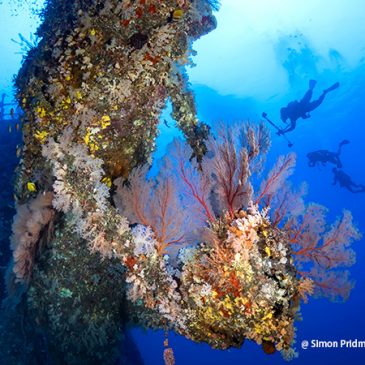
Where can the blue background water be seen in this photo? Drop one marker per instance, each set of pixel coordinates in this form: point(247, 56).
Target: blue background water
point(261, 57)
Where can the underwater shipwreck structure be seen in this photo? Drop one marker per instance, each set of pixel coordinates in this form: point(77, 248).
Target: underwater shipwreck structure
point(208, 248)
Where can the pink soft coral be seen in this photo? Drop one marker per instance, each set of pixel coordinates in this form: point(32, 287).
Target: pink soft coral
point(28, 224)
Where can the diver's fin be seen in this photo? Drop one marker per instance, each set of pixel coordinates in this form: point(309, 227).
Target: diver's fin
point(333, 87)
point(342, 143)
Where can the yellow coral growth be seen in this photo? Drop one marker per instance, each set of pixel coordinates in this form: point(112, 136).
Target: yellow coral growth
point(41, 136)
point(31, 187)
point(105, 121)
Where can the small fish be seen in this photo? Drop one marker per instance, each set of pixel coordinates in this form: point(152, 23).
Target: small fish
point(177, 14)
point(166, 124)
point(9, 128)
point(17, 127)
point(107, 181)
point(31, 187)
point(18, 151)
point(12, 113)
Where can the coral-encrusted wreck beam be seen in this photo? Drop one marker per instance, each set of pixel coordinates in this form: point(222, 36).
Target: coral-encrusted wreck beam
point(107, 68)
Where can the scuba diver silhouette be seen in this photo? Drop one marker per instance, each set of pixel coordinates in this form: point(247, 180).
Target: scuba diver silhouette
point(300, 109)
point(324, 156)
point(345, 181)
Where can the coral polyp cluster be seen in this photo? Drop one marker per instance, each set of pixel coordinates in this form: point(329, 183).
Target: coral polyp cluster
point(242, 285)
point(239, 284)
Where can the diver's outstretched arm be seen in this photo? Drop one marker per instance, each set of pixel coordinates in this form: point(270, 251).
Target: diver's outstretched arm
point(288, 128)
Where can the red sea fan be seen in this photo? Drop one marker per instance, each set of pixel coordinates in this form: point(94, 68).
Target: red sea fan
point(287, 202)
point(238, 152)
point(156, 204)
point(231, 170)
point(321, 254)
point(185, 189)
point(276, 179)
point(195, 184)
point(222, 179)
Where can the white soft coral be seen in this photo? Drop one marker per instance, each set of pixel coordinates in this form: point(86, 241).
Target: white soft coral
point(144, 240)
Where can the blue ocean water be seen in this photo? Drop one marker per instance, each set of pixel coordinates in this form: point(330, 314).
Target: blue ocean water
point(340, 116)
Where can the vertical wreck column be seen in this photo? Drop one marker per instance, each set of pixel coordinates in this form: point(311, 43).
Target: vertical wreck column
point(92, 92)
